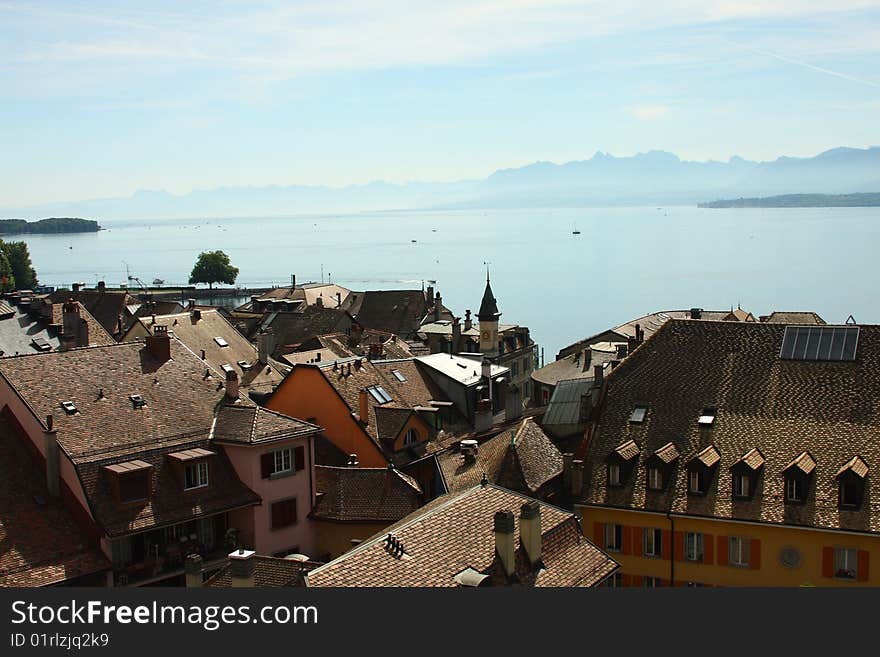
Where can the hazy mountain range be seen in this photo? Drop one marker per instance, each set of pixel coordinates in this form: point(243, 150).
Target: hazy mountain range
point(652, 178)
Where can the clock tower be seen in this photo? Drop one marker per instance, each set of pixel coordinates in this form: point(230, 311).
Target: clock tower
point(488, 316)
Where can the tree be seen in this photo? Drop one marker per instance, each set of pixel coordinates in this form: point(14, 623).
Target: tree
point(20, 262)
point(7, 280)
point(213, 267)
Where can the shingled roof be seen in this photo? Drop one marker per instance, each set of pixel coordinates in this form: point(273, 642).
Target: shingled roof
point(293, 328)
point(815, 416)
point(796, 317)
point(41, 543)
point(365, 494)
point(106, 306)
point(269, 572)
point(454, 533)
point(396, 311)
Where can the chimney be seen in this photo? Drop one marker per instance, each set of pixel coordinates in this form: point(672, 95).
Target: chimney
point(696, 313)
point(598, 375)
point(69, 325)
point(82, 336)
point(587, 358)
point(231, 385)
point(456, 335)
point(195, 313)
point(468, 322)
point(567, 459)
point(159, 343)
point(438, 304)
point(530, 530)
point(505, 547)
point(639, 335)
point(194, 566)
point(293, 281)
point(76, 286)
point(190, 305)
point(356, 332)
point(577, 477)
point(338, 299)
point(102, 286)
point(120, 325)
point(319, 301)
point(241, 568)
point(429, 293)
point(621, 351)
point(265, 346)
point(363, 407)
point(469, 449)
point(50, 445)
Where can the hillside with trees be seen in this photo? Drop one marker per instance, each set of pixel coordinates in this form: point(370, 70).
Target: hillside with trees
point(50, 225)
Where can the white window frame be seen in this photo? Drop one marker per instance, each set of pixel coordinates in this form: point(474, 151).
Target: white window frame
point(694, 547)
point(651, 582)
point(791, 486)
point(201, 475)
point(613, 537)
point(652, 542)
point(843, 562)
point(694, 486)
point(738, 551)
point(614, 478)
point(279, 456)
point(655, 479)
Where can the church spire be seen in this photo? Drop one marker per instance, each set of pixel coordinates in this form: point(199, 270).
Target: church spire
point(489, 306)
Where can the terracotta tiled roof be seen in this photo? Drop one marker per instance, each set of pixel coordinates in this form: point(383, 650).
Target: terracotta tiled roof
point(40, 544)
point(365, 494)
point(782, 317)
point(453, 533)
point(753, 459)
point(396, 311)
point(269, 572)
point(813, 415)
point(105, 305)
point(253, 424)
point(628, 450)
point(98, 335)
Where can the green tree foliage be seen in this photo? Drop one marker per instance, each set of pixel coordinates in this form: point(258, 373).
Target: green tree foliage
point(213, 267)
point(20, 261)
point(7, 280)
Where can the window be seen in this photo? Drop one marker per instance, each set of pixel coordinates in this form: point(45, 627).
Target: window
point(707, 418)
point(282, 461)
point(655, 479)
point(738, 551)
point(196, 475)
point(221, 342)
point(615, 581)
point(283, 513)
point(693, 546)
point(794, 489)
point(850, 492)
point(379, 394)
point(741, 485)
point(227, 368)
point(845, 563)
point(614, 474)
point(411, 437)
point(638, 414)
point(652, 542)
point(398, 375)
point(69, 407)
point(696, 482)
point(613, 537)
point(135, 486)
point(652, 582)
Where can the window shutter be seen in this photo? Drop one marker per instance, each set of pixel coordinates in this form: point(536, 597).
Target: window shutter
point(665, 543)
point(637, 580)
point(291, 511)
point(708, 548)
point(277, 515)
point(299, 458)
point(679, 546)
point(863, 565)
point(626, 580)
point(722, 550)
point(599, 534)
point(266, 462)
point(626, 539)
point(827, 562)
point(755, 553)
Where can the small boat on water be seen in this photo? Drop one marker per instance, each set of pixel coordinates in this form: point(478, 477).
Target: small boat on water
point(574, 230)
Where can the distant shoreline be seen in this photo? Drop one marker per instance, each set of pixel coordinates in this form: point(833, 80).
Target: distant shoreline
point(52, 225)
point(865, 200)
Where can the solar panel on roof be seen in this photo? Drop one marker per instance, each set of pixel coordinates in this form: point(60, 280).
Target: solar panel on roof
point(820, 343)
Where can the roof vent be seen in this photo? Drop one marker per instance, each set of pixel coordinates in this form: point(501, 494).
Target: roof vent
point(137, 401)
point(69, 407)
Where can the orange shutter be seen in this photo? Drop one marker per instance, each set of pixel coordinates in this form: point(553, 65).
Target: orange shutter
point(626, 580)
point(708, 548)
point(638, 580)
point(722, 550)
point(863, 565)
point(678, 548)
point(599, 534)
point(626, 539)
point(827, 562)
point(665, 543)
point(755, 556)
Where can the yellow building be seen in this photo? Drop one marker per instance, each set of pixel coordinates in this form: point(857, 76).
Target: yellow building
point(738, 454)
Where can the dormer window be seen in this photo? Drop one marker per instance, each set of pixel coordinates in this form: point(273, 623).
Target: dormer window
point(700, 470)
point(851, 483)
point(69, 407)
point(621, 463)
point(137, 401)
point(745, 473)
point(797, 477)
point(192, 467)
point(221, 342)
point(244, 365)
point(131, 481)
point(195, 475)
point(659, 466)
point(707, 417)
point(638, 414)
point(655, 478)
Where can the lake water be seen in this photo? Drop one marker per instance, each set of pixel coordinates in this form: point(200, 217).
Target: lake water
point(626, 262)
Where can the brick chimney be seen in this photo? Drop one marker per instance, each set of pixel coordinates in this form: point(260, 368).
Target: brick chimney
point(338, 299)
point(50, 445)
point(232, 387)
point(70, 325)
point(76, 287)
point(530, 530)
point(469, 450)
point(102, 286)
point(456, 335)
point(438, 304)
point(505, 546)
point(241, 568)
point(194, 566)
point(468, 322)
point(429, 294)
point(577, 477)
point(159, 343)
point(265, 346)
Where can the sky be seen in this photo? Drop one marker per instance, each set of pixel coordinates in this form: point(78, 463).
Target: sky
point(101, 99)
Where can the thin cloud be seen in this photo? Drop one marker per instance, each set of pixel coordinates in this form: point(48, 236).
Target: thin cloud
point(649, 112)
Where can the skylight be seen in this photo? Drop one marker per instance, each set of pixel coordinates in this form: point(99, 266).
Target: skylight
point(638, 414)
point(379, 394)
point(243, 364)
point(137, 400)
point(820, 343)
point(221, 342)
point(69, 407)
point(398, 375)
point(707, 418)
point(226, 367)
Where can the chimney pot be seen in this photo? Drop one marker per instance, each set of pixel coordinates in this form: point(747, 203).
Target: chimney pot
point(159, 343)
point(194, 566)
point(232, 386)
point(241, 567)
point(530, 530)
point(101, 286)
point(505, 548)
